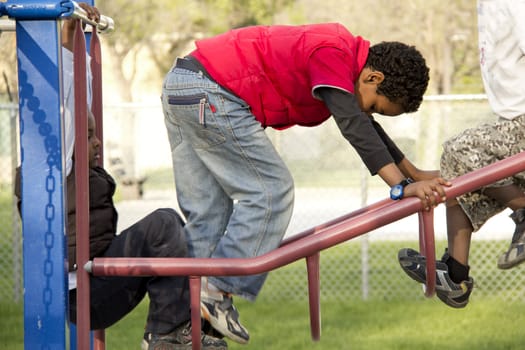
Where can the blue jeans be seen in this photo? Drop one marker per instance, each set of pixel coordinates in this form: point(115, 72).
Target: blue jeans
point(233, 187)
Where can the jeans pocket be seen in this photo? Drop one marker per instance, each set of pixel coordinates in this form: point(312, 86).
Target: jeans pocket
point(191, 100)
point(186, 100)
point(195, 116)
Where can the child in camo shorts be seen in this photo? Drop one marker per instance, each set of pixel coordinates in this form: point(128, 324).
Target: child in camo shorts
point(475, 148)
point(502, 62)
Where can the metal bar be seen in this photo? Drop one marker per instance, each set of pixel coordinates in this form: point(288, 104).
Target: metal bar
point(195, 307)
point(426, 240)
point(315, 229)
point(314, 294)
point(286, 254)
point(82, 188)
point(52, 10)
point(96, 88)
point(311, 242)
point(7, 25)
point(487, 175)
point(37, 9)
point(105, 24)
point(308, 244)
point(99, 339)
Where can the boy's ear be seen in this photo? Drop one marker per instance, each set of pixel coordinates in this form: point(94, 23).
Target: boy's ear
point(375, 77)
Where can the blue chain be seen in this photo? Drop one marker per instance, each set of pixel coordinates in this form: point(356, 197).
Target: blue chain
point(52, 147)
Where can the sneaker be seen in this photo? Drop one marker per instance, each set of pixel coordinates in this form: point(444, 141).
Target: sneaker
point(209, 330)
point(515, 255)
point(180, 339)
point(217, 308)
point(453, 294)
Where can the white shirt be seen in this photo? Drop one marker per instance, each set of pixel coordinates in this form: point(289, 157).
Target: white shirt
point(69, 103)
point(501, 29)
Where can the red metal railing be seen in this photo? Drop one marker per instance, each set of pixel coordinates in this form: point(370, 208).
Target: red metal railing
point(308, 244)
point(82, 185)
point(82, 174)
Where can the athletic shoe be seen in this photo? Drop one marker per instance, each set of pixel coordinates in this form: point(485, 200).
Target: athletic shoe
point(515, 255)
point(180, 339)
point(209, 330)
point(453, 294)
point(217, 308)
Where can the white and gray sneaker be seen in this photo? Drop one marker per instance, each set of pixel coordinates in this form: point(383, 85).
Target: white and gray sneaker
point(453, 294)
point(218, 309)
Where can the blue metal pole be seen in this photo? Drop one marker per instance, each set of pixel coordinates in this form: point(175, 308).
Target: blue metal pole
point(43, 185)
point(43, 224)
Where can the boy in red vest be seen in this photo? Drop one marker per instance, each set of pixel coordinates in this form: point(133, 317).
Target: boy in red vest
point(232, 185)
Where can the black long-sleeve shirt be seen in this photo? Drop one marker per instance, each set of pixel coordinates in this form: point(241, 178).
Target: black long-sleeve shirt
point(371, 142)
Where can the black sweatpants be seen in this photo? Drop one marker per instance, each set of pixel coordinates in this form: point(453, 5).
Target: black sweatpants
point(160, 234)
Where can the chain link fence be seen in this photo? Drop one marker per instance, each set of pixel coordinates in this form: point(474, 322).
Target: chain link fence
point(330, 181)
point(10, 238)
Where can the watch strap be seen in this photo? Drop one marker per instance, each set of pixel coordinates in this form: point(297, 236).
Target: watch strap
point(406, 182)
point(397, 191)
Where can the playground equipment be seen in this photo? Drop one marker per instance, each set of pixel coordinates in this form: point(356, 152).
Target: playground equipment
point(308, 244)
point(41, 141)
point(41, 135)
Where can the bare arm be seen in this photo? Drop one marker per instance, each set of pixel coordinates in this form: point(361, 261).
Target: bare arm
point(410, 170)
point(378, 151)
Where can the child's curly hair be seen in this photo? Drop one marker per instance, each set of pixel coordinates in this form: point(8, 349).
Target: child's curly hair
point(405, 70)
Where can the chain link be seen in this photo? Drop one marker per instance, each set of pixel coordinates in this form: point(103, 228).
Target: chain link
point(53, 160)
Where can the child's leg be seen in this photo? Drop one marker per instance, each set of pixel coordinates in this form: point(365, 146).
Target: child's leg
point(459, 231)
point(511, 196)
point(453, 284)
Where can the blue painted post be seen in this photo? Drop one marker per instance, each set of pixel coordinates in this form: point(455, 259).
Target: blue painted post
point(41, 141)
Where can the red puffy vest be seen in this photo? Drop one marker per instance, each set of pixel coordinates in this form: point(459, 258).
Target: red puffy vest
point(268, 67)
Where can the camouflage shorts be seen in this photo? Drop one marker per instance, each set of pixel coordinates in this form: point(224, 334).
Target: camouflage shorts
point(478, 147)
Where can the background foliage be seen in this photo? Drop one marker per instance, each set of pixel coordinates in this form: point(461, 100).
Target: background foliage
point(156, 32)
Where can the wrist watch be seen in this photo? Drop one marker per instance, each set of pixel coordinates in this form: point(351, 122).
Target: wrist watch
point(397, 191)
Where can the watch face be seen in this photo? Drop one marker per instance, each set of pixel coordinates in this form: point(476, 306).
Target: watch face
point(396, 192)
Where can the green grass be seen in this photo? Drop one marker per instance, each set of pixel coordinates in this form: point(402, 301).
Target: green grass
point(6, 200)
point(357, 325)
point(391, 319)
point(11, 326)
point(384, 322)
point(426, 324)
